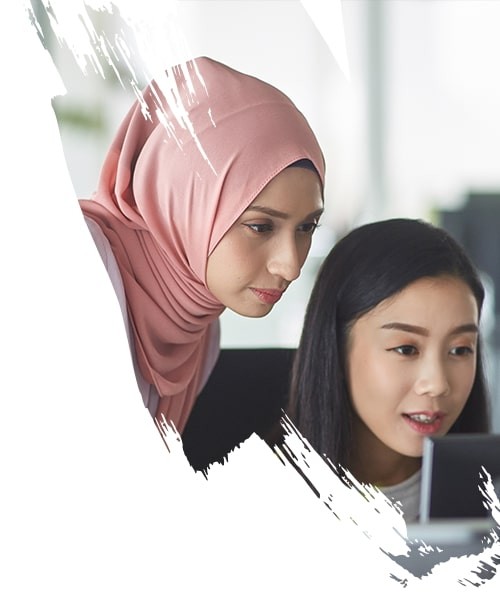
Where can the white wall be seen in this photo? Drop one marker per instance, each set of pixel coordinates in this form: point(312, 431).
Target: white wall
point(414, 129)
point(443, 102)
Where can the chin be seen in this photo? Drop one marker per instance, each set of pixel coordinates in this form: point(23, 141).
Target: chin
point(252, 312)
point(415, 452)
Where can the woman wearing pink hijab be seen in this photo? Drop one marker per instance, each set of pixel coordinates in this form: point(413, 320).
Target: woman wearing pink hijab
point(189, 222)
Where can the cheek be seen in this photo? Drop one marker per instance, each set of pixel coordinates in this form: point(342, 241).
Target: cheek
point(238, 263)
point(229, 264)
point(365, 379)
point(233, 250)
point(376, 382)
point(463, 380)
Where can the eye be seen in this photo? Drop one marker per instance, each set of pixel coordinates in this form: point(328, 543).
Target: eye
point(308, 227)
point(259, 227)
point(461, 351)
point(405, 350)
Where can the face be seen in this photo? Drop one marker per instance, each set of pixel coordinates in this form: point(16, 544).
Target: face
point(411, 363)
point(263, 252)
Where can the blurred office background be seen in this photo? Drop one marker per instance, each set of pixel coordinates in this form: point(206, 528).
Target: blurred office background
point(414, 131)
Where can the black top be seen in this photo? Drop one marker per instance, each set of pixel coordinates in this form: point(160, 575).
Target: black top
point(245, 394)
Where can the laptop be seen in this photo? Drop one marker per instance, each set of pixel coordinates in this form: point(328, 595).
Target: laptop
point(455, 468)
point(453, 516)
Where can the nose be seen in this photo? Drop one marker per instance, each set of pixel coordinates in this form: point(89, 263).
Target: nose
point(286, 258)
point(432, 379)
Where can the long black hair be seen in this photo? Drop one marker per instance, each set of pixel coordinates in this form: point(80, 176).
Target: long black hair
point(370, 264)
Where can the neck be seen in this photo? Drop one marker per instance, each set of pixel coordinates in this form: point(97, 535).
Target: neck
point(375, 463)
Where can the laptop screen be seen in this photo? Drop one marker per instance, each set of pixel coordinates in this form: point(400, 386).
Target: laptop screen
point(452, 475)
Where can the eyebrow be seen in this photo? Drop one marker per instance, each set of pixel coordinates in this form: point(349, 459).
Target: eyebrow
point(466, 328)
point(281, 215)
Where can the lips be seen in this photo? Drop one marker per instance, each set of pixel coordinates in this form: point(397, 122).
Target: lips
point(267, 296)
point(425, 422)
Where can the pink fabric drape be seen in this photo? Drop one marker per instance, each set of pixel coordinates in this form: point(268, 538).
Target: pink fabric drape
point(164, 207)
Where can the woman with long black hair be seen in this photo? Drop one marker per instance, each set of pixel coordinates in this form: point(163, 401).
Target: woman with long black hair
point(390, 353)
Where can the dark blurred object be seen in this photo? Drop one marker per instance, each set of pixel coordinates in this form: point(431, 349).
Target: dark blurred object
point(245, 394)
point(455, 469)
point(477, 227)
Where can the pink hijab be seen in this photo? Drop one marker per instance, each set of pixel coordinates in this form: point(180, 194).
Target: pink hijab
point(164, 208)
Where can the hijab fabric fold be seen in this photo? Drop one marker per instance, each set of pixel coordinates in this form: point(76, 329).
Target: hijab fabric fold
point(166, 197)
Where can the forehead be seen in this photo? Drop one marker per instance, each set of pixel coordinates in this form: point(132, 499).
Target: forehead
point(438, 302)
point(291, 186)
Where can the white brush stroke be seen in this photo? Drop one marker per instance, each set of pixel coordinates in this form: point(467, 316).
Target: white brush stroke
point(381, 522)
point(158, 42)
point(327, 16)
point(95, 506)
point(490, 495)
